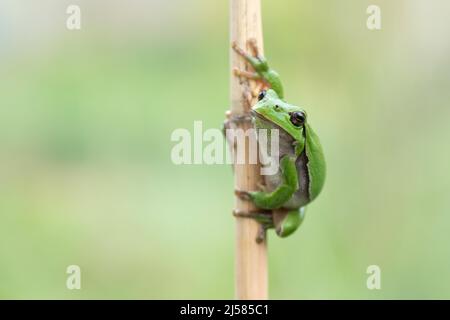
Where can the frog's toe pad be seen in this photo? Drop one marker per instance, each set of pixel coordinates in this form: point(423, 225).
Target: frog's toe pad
point(243, 195)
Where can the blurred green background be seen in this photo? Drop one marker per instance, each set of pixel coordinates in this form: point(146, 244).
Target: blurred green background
point(86, 176)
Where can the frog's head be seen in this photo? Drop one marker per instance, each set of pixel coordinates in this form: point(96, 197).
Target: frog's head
point(291, 119)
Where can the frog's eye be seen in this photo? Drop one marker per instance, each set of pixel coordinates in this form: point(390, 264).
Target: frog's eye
point(297, 118)
point(261, 95)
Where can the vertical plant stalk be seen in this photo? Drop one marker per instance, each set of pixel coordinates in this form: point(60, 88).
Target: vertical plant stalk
point(251, 278)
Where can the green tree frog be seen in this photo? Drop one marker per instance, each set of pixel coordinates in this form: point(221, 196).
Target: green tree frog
point(301, 173)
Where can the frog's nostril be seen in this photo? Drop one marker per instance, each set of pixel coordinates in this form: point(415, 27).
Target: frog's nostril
point(261, 95)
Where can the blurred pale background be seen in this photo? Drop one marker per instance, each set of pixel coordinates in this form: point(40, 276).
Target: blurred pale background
point(85, 170)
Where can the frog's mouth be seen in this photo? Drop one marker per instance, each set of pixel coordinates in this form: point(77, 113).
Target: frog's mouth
point(267, 123)
point(260, 116)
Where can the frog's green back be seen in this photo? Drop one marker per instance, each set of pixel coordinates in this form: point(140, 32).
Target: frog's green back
point(316, 163)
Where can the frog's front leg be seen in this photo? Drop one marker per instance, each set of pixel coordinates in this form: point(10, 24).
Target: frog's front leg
point(245, 74)
point(278, 197)
point(262, 71)
point(257, 61)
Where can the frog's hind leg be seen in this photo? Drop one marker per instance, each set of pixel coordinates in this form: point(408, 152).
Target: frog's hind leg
point(264, 218)
point(286, 222)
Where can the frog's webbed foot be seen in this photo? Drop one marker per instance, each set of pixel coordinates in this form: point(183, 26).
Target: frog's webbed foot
point(262, 74)
point(261, 215)
point(246, 74)
point(243, 195)
point(260, 83)
point(239, 50)
point(253, 46)
point(257, 62)
point(264, 218)
point(261, 237)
